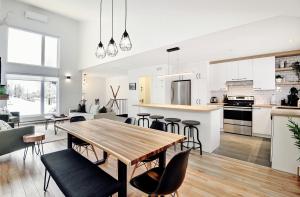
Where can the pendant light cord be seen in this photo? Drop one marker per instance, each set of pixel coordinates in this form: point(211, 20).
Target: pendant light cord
point(125, 14)
point(112, 18)
point(100, 18)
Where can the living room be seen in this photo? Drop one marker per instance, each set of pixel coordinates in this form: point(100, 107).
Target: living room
point(116, 98)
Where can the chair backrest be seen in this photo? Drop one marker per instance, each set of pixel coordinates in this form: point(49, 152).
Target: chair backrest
point(4, 117)
point(159, 125)
point(77, 118)
point(174, 174)
point(130, 121)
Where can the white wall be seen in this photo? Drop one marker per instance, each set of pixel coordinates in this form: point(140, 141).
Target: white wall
point(64, 28)
point(94, 89)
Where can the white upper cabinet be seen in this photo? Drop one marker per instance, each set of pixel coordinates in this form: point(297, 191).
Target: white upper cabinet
point(218, 76)
point(264, 73)
point(245, 70)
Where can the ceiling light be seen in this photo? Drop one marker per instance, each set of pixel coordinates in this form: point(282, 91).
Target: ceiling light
point(100, 51)
point(125, 43)
point(112, 49)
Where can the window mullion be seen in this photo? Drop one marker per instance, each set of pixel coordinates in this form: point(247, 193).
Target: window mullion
point(43, 50)
point(42, 97)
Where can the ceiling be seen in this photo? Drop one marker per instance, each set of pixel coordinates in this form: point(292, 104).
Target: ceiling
point(204, 29)
point(272, 35)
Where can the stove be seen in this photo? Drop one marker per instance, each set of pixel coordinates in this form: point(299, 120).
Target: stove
point(238, 115)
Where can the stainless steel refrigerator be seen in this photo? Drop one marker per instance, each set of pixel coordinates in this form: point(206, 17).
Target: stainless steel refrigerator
point(181, 92)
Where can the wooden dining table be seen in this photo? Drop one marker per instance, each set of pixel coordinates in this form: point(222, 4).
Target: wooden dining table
point(130, 144)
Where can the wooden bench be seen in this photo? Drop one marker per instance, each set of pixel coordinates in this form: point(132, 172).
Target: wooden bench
point(76, 176)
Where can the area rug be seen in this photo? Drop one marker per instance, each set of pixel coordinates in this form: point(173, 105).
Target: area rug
point(50, 135)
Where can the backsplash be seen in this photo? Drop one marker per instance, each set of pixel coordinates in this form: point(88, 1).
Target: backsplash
point(245, 88)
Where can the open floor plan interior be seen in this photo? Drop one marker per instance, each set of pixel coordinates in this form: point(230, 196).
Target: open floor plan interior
point(116, 98)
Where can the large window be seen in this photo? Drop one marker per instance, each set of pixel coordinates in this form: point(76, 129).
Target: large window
point(30, 48)
point(31, 95)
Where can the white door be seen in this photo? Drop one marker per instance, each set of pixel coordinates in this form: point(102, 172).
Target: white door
point(264, 73)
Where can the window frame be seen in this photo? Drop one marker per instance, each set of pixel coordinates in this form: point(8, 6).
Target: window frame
point(42, 48)
point(42, 90)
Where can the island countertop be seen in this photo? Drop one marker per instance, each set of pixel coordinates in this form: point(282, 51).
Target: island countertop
point(291, 112)
point(197, 108)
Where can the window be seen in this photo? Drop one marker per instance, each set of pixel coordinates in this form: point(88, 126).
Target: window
point(32, 95)
point(32, 48)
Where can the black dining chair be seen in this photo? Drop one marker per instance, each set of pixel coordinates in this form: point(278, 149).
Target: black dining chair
point(165, 181)
point(157, 125)
point(130, 121)
point(78, 143)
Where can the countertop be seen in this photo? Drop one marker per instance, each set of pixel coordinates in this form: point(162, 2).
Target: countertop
point(286, 112)
point(199, 108)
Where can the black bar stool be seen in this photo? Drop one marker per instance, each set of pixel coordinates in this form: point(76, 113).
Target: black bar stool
point(156, 117)
point(190, 125)
point(173, 122)
point(143, 117)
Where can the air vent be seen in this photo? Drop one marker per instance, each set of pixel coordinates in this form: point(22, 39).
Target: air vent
point(36, 17)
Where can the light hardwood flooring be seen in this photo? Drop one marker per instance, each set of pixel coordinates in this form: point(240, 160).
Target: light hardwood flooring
point(209, 175)
point(246, 148)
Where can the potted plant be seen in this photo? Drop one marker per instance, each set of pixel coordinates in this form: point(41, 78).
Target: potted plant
point(278, 78)
point(295, 129)
point(296, 67)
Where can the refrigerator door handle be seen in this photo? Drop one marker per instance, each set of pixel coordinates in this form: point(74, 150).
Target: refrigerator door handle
point(172, 95)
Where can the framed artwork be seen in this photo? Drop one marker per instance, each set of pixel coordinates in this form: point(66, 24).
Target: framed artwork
point(132, 86)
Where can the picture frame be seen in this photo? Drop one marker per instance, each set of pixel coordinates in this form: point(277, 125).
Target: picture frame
point(132, 86)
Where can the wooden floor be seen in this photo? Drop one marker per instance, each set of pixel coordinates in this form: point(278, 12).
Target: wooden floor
point(209, 175)
point(246, 148)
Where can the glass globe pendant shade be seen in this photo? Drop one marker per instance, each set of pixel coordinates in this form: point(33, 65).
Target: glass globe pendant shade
point(112, 49)
point(125, 43)
point(100, 52)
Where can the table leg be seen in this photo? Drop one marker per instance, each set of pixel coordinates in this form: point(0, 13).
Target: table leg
point(122, 178)
point(69, 140)
point(162, 159)
point(46, 125)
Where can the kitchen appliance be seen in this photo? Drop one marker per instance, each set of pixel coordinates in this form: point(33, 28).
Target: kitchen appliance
point(238, 115)
point(213, 99)
point(181, 92)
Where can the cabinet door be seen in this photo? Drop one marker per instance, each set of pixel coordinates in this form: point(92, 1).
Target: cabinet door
point(232, 71)
point(245, 70)
point(261, 121)
point(264, 73)
point(218, 76)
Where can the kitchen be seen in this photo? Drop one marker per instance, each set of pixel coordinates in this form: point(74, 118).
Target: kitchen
point(248, 92)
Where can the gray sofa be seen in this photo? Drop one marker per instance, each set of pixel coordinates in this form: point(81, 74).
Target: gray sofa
point(12, 139)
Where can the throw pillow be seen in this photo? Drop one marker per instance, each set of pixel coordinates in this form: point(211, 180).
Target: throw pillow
point(94, 109)
point(103, 110)
point(4, 125)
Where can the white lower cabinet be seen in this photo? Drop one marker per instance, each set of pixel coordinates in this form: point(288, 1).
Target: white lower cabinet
point(261, 121)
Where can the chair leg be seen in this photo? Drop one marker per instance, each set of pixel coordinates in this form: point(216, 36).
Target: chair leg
point(200, 144)
point(25, 153)
point(177, 194)
point(133, 171)
point(46, 184)
point(93, 148)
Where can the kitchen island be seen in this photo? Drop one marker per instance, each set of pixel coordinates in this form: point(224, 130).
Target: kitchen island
point(209, 117)
point(284, 153)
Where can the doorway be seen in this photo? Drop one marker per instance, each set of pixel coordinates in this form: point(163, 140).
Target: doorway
point(144, 90)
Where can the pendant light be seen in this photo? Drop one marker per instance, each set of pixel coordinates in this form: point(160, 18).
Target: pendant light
point(100, 52)
point(125, 43)
point(112, 49)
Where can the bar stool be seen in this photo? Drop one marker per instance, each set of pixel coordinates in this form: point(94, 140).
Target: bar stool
point(173, 122)
point(143, 117)
point(156, 117)
point(190, 125)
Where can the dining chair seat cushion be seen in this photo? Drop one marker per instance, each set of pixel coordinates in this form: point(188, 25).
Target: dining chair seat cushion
point(172, 120)
point(148, 181)
point(76, 176)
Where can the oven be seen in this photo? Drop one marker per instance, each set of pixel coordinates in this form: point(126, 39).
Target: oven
point(238, 115)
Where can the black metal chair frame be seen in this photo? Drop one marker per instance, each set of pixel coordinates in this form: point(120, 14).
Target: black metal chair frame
point(173, 126)
point(191, 129)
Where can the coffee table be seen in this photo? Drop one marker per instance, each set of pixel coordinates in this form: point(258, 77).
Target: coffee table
point(37, 139)
point(57, 120)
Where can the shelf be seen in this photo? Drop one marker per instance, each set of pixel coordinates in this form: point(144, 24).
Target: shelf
point(288, 83)
point(4, 97)
point(283, 69)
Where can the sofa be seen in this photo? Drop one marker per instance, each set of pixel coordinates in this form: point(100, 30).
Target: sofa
point(12, 139)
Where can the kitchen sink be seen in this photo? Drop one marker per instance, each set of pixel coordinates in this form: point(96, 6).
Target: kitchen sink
point(288, 107)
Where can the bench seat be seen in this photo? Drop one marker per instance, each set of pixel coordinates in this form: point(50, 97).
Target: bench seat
point(76, 176)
